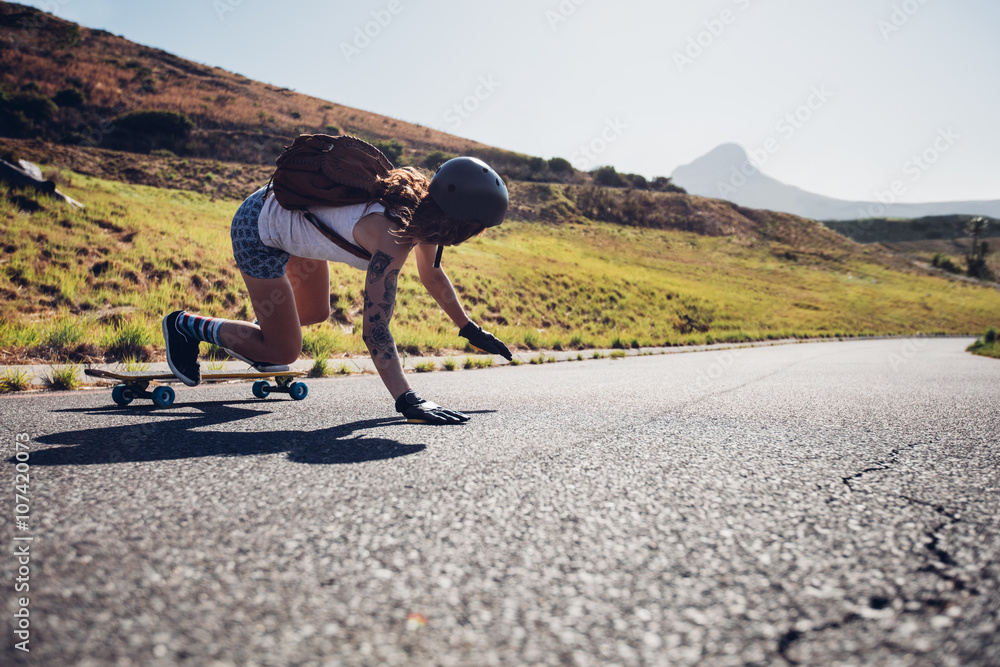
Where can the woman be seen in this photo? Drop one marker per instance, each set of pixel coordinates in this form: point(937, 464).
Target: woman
point(283, 258)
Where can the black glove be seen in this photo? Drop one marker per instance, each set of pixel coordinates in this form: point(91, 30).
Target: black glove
point(418, 411)
point(484, 342)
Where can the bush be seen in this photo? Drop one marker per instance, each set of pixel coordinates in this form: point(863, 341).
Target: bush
point(392, 148)
point(435, 159)
point(991, 337)
point(664, 184)
point(944, 262)
point(637, 181)
point(129, 341)
point(609, 177)
point(560, 165)
point(156, 121)
point(69, 97)
point(35, 106)
point(15, 379)
point(65, 378)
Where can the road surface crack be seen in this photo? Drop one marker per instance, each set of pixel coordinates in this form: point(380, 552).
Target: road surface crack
point(790, 638)
point(890, 461)
point(942, 559)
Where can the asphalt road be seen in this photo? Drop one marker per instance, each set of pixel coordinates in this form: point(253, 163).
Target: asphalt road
point(812, 504)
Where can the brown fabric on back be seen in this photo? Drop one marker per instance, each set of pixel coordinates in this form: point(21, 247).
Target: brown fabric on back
point(324, 170)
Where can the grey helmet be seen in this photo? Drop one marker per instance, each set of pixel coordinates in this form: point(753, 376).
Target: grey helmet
point(468, 189)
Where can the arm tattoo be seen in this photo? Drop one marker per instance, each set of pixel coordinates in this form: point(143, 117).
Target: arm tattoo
point(377, 335)
point(389, 304)
point(378, 264)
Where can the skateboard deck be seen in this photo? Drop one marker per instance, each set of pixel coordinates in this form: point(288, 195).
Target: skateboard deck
point(135, 384)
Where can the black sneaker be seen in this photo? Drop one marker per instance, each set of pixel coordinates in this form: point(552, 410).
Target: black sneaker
point(259, 366)
point(182, 351)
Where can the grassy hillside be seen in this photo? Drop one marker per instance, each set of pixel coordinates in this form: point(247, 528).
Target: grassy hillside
point(939, 240)
point(93, 283)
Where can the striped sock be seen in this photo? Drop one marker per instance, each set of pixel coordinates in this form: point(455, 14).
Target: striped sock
point(200, 328)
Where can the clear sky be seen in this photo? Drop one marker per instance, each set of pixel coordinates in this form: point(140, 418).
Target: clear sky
point(836, 96)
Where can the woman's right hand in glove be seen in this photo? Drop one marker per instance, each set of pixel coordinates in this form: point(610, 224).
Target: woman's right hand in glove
point(420, 411)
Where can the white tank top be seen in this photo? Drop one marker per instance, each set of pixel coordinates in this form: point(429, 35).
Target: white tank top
point(289, 230)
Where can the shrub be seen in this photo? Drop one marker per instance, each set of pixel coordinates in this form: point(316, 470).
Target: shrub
point(21, 112)
point(991, 337)
point(425, 366)
point(65, 378)
point(129, 341)
point(944, 262)
point(637, 181)
point(319, 368)
point(609, 177)
point(156, 121)
point(15, 379)
point(560, 165)
point(435, 159)
point(69, 97)
point(392, 148)
point(664, 184)
point(65, 333)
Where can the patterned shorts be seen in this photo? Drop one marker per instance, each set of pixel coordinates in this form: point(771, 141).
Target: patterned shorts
point(253, 257)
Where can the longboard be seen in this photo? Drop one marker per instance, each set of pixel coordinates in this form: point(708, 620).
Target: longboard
point(135, 384)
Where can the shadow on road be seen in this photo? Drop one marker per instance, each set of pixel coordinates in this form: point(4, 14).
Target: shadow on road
point(186, 435)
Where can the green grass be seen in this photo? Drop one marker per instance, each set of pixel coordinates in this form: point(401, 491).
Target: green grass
point(64, 378)
point(987, 345)
point(477, 362)
point(134, 365)
point(449, 364)
point(425, 367)
point(104, 276)
point(15, 379)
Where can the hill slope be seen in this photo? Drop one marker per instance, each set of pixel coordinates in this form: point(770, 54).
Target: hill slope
point(69, 84)
point(93, 283)
point(720, 173)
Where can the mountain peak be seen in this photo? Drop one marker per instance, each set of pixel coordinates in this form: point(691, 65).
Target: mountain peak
point(718, 160)
point(722, 174)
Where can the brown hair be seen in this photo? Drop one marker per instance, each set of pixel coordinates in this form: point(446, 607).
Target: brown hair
point(404, 193)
